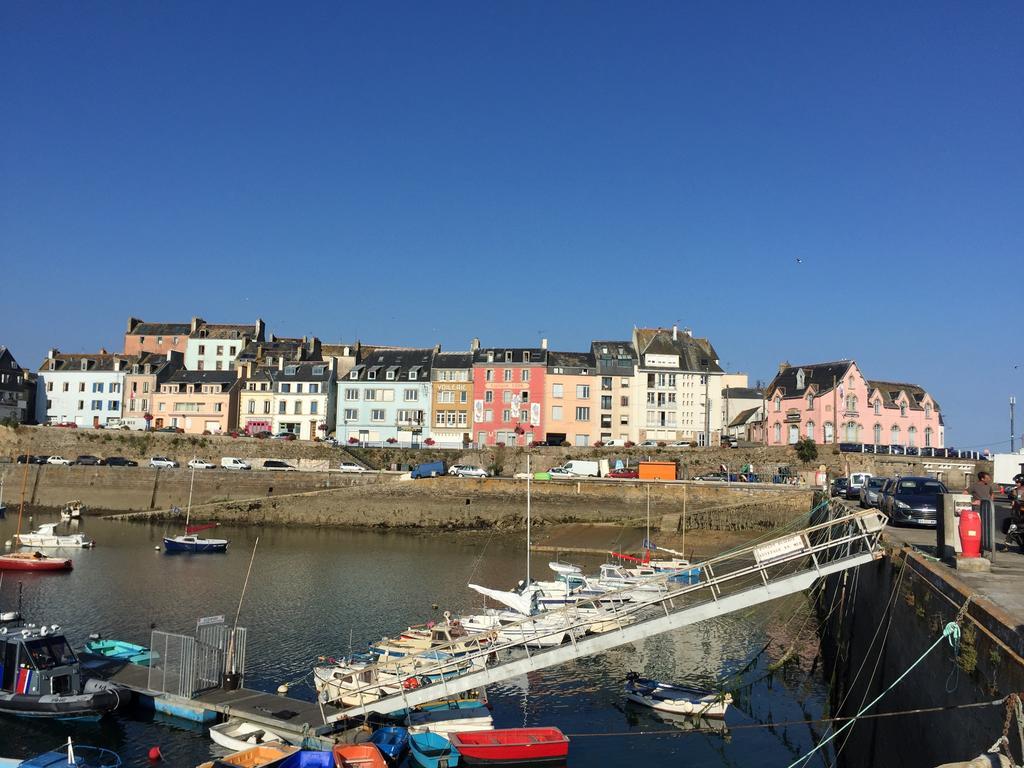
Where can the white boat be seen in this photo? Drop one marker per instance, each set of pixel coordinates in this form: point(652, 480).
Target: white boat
point(446, 721)
point(237, 735)
point(524, 623)
point(72, 511)
point(676, 699)
point(365, 677)
point(45, 537)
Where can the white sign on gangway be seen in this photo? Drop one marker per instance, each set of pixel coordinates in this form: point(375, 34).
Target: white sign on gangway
point(778, 548)
point(207, 621)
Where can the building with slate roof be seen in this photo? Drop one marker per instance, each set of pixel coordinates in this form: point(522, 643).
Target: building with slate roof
point(452, 399)
point(508, 394)
point(158, 338)
point(198, 402)
point(385, 399)
point(834, 400)
point(679, 386)
point(571, 399)
point(84, 389)
point(142, 381)
point(215, 346)
point(291, 396)
point(14, 389)
point(616, 366)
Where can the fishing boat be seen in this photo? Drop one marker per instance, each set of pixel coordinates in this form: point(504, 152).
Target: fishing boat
point(392, 741)
point(68, 755)
point(358, 756)
point(447, 721)
point(46, 537)
point(123, 650)
point(238, 735)
point(511, 745)
point(72, 511)
point(261, 756)
point(42, 677)
point(188, 541)
point(431, 750)
point(30, 561)
point(677, 699)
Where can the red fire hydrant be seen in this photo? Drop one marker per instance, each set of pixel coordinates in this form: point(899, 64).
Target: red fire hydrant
point(970, 533)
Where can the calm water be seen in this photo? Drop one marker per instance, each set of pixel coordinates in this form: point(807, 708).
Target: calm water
point(313, 592)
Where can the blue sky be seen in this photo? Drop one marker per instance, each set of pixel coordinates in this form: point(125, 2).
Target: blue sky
point(429, 172)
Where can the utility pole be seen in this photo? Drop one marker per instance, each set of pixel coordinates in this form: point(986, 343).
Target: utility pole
point(1013, 402)
point(707, 409)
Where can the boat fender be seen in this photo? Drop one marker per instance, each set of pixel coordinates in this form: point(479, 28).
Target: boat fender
point(410, 683)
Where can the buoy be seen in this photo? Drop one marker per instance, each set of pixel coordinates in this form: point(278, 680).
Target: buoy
point(282, 689)
point(154, 754)
point(157, 548)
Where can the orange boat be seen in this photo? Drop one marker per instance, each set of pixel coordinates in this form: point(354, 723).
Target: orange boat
point(33, 561)
point(358, 756)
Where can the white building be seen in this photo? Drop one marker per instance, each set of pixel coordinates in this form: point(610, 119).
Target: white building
point(214, 347)
point(84, 389)
point(295, 397)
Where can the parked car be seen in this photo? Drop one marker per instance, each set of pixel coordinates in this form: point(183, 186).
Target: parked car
point(896, 450)
point(856, 481)
point(162, 462)
point(561, 473)
point(870, 491)
point(262, 434)
point(278, 466)
point(851, 447)
point(176, 430)
point(66, 424)
point(351, 466)
point(839, 486)
point(467, 470)
point(427, 469)
point(28, 458)
point(233, 462)
point(913, 500)
point(615, 443)
point(713, 477)
point(626, 473)
point(285, 436)
point(201, 464)
point(60, 461)
point(120, 461)
point(646, 444)
point(92, 461)
point(680, 444)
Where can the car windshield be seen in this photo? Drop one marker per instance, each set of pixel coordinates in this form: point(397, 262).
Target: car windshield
point(50, 652)
point(921, 486)
point(876, 482)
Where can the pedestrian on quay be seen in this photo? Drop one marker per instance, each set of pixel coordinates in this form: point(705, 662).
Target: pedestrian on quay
point(983, 497)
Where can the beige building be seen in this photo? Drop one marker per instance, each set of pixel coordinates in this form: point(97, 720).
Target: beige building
point(572, 399)
point(616, 365)
point(452, 399)
point(198, 402)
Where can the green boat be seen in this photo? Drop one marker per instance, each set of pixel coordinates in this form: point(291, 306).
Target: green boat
point(121, 649)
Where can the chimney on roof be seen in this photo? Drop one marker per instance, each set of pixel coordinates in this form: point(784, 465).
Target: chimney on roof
point(103, 350)
point(133, 323)
point(196, 322)
point(543, 343)
point(261, 329)
point(688, 332)
point(437, 348)
point(280, 362)
point(675, 332)
point(783, 365)
point(474, 344)
point(52, 353)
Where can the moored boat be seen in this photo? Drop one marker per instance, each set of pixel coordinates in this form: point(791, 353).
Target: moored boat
point(358, 756)
point(121, 649)
point(68, 755)
point(238, 735)
point(392, 741)
point(46, 537)
point(261, 756)
point(447, 721)
point(511, 745)
point(189, 542)
point(33, 561)
point(677, 699)
point(72, 511)
point(431, 750)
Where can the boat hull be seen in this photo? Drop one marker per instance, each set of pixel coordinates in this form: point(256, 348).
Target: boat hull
point(74, 541)
point(430, 750)
point(511, 746)
point(27, 562)
point(85, 705)
point(238, 735)
point(678, 700)
point(358, 756)
point(173, 545)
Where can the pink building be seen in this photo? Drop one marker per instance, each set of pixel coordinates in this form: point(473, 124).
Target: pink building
point(508, 395)
point(826, 401)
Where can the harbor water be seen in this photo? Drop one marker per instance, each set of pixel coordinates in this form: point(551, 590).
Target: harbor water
point(326, 592)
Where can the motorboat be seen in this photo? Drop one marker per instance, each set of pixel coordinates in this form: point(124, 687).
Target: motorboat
point(68, 755)
point(46, 537)
point(238, 735)
point(33, 561)
point(392, 741)
point(449, 635)
point(72, 511)
point(42, 677)
point(363, 678)
point(261, 756)
point(432, 750)
point(447, 721)
point(677, 699)
point(121, 650)
point(524, 622)
point(511, 745)
point(358, 756)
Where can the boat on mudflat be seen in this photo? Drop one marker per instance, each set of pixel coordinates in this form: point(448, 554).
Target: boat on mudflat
point(511, 745)
point(677, 699)
point(432, 750)
point(33, 561)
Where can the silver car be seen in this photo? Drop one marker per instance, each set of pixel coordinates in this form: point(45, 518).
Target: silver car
point(871, 492)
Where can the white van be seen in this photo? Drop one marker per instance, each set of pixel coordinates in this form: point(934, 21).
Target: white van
point(230, 462)
point(581, 468)
point(857, 481)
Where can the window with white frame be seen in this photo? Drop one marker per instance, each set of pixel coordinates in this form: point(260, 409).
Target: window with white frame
point(377, 414)
point(351, 414)
point(557, 390)
point(410, 395)
point(508, 374)
point(582, 391)
point(582, 414)
point(556, 413)
point(351, 394)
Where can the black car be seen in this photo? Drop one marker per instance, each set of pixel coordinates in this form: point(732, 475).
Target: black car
point(120, 461)
point(913, 500)
point(28, 458)
point(839, 486)
point(896, 450)
point(90, 461)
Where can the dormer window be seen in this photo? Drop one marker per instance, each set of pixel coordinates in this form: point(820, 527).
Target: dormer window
point(800, 379)
point(371, 375)
point(526, 357)
point(390, 375)
point(135, 369)
point(412, 375)
point(318, 370)
point(85, 365)
point(903, 409)
point(53, 365)
point(508, 356)
point(290, 370)
point(490, 357)
point(353, 375)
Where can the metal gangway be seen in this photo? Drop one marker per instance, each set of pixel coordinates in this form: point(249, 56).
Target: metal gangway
point(836, 539)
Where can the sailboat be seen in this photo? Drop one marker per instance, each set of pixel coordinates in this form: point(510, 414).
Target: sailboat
point(188, 541)
point(30, 561)
point(677, 568)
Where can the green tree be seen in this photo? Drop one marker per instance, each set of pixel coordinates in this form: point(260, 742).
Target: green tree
point(806, 450)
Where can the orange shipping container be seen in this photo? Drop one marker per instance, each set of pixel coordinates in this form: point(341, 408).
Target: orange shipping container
point(657, 470)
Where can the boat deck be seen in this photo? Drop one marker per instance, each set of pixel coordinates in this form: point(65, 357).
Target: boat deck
point(296, 719)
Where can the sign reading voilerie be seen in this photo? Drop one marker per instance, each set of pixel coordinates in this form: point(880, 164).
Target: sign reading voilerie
point(779, 548)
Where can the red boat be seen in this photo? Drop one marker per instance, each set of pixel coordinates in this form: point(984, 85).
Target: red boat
point(511, 745)
point(33, 561)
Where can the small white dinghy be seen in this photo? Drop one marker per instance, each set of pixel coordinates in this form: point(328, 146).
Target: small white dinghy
point(238, 735)
point(676, 699)
point(46, 537)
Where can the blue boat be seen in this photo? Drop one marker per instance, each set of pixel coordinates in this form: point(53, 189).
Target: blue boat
point(309, 759)
point(431, 750)
point(392, 741)
point(69, 755)
point(191, 543)
point(120, 649)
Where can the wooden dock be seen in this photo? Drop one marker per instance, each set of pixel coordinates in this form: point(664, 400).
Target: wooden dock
point(297, 720)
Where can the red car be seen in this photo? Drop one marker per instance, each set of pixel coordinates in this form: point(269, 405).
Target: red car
point(624, 474)
point(67, 425)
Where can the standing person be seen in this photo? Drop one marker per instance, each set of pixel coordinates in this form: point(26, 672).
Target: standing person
point(983, 497)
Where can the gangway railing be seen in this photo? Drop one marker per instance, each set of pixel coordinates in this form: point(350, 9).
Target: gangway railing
point(730, 582)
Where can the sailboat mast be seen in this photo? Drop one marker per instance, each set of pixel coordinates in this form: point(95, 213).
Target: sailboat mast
point(529, 478)
point(21, 508)
point(188, 509)
point(647, 540)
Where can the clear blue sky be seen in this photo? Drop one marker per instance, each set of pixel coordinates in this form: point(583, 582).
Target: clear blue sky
point(429, 172)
